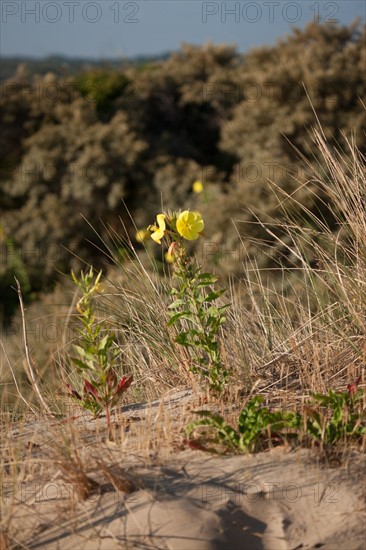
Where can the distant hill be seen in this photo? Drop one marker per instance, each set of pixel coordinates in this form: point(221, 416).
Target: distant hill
point(61, 65)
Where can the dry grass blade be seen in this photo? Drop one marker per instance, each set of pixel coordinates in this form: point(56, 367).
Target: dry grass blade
point(83, 484)
point(31, 373)
point(74, 473)
point(118, 479)
point(4, 541)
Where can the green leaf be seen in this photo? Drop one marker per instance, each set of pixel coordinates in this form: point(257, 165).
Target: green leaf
point(81, 351)
point(207, 277)
point(81, 364)
point(182, 339)
point(106, 343)
point(176, 304)
point(226, 433)
point(97, 279)
point(214, 295)
point(74, 278)
point(179, 315)
point(213, 346)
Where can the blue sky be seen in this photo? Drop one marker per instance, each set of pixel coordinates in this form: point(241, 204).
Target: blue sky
point(125, 28)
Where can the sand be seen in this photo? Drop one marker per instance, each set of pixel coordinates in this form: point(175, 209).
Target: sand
point(182, 499)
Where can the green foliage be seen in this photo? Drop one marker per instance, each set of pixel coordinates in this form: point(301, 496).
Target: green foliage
point(341, 418)
point(97, 354)
point(199, 320)
point(254, 424)
point(336, 416)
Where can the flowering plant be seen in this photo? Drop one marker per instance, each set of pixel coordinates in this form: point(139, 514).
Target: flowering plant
point(193, 311)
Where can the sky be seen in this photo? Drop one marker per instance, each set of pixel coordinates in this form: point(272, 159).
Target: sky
point(105, 29)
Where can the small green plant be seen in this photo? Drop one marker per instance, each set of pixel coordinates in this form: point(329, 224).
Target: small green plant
point(336, 416)
point(193, 310)
point(255, 423)
point(97, 354)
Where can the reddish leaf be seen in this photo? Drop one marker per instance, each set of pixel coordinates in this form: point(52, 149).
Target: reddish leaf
point(353, 386)
point(111, 379)
point(310, 412)
point(124, 384)
point(89, 388)
point(73, 392)
point(195, 445)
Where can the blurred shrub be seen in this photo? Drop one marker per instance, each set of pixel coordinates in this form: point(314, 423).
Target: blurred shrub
point(78, 147)
point(103, 87)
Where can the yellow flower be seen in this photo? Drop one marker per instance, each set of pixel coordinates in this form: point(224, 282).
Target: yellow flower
point(197, 187)
point(141, 235)
point(159, 230)
point(190, 225)
point(169, 258)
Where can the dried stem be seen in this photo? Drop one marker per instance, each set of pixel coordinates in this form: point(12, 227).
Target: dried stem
point(31, 373)
point(15, 381)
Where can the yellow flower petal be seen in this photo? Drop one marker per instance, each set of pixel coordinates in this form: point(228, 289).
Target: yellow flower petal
point(169, 258)
point(141, 235)
point(160, 230)
point(190, 225)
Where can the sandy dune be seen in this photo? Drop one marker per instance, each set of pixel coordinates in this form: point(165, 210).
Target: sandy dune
point(279, 500)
